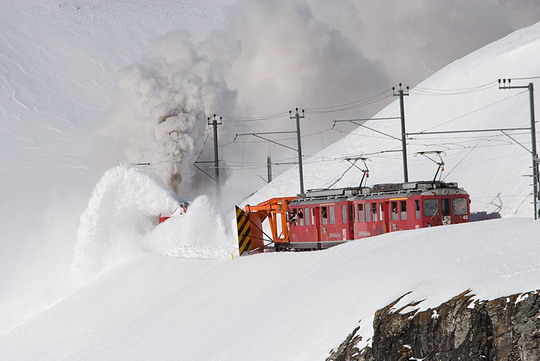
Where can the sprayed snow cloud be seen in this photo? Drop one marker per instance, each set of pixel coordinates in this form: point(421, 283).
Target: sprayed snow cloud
point(122, 209)
point(121, 221)
point(200, 233)
point(162, 105)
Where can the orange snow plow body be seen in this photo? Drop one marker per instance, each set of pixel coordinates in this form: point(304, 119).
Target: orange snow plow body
point(249, 223)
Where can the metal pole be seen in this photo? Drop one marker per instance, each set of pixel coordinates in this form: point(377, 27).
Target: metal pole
point(297, 116)
point(269, 167)
point(402, 93)
point(534, 153)
point(506, 84)
point(214, 124)
point(403, 137)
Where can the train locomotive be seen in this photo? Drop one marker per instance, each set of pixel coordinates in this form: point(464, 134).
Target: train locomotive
point(322, 218)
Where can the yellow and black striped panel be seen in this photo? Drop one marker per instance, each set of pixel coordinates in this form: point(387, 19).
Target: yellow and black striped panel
point(244, 230)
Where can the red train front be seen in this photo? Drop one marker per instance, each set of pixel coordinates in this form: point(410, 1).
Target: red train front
point(324, 218)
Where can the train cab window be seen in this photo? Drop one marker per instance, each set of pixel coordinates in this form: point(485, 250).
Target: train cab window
point(301, 216)
point(361, 217)
point(306, 213)
point(332, 215)
point(374, 212)
point(293, 217)
point(394, 211)
point(324, 215)
point(431, 207)
point(344, 214)
point(368, 212)
point(403, 209)
point(445, 207)
point(460, 206)
point(312, 216)
point(417, 208)
point(351, 211)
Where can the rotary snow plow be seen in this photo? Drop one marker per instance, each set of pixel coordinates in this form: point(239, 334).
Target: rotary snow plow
point(250, 224)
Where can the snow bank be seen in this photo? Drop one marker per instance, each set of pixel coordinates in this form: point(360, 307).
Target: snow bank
point(275, 306)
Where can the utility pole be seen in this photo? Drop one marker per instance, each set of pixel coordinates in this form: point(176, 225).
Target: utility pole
point(215, 122)
point(269, 168)
point(505, 84)
point(401, 93)
point(297, 116)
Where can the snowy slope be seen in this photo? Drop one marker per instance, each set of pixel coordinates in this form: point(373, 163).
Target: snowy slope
point(58, 70)
point(278, 306)
point(59, 64)
point(58, 67)
point(462, 96)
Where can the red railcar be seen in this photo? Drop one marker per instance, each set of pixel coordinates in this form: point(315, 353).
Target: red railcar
point(327, 217)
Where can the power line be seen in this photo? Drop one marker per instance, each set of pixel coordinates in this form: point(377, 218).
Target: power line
point(444, 92)
point(472, 112)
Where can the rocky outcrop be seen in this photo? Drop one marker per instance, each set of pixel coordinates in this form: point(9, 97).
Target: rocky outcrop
point(461, 329)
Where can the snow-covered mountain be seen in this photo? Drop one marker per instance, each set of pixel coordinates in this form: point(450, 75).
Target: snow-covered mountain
point(113, 287)
point(465, 95)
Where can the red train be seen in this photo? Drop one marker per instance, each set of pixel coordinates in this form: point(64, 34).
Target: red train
point(323, 218)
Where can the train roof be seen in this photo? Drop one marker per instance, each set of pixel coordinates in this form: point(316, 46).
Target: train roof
point(377, 191)
point(412, 186)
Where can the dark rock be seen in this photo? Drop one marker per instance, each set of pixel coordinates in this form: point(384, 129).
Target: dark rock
point(461, 329)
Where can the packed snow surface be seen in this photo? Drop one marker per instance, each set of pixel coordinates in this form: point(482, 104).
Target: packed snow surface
point(275, 306)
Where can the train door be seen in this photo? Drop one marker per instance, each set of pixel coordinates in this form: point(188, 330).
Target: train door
point(352, 220)
point(385, 216)
point(311, 234)
point(317, 217)
point(446, 211)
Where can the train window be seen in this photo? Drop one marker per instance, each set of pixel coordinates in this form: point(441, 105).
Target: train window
point(306, 212)
point(374, 212)
point(460, 206)
point(368, 212)
point(394, 211)
point(417, 207)
point(332, 215)
point(361, 213)
point(344, 214)
point(351, 211)
point(445, 207)
point(301, 216)
point(293, 217)
point(403, 209)
point(324, 215)
point(381, 212)
point(431, 207)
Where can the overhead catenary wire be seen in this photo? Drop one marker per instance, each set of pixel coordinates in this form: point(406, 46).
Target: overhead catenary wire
point(442, 92)
point(472, 112)
point(453, 146)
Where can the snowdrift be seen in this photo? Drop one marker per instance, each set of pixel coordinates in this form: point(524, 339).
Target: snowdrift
point(279, 306)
